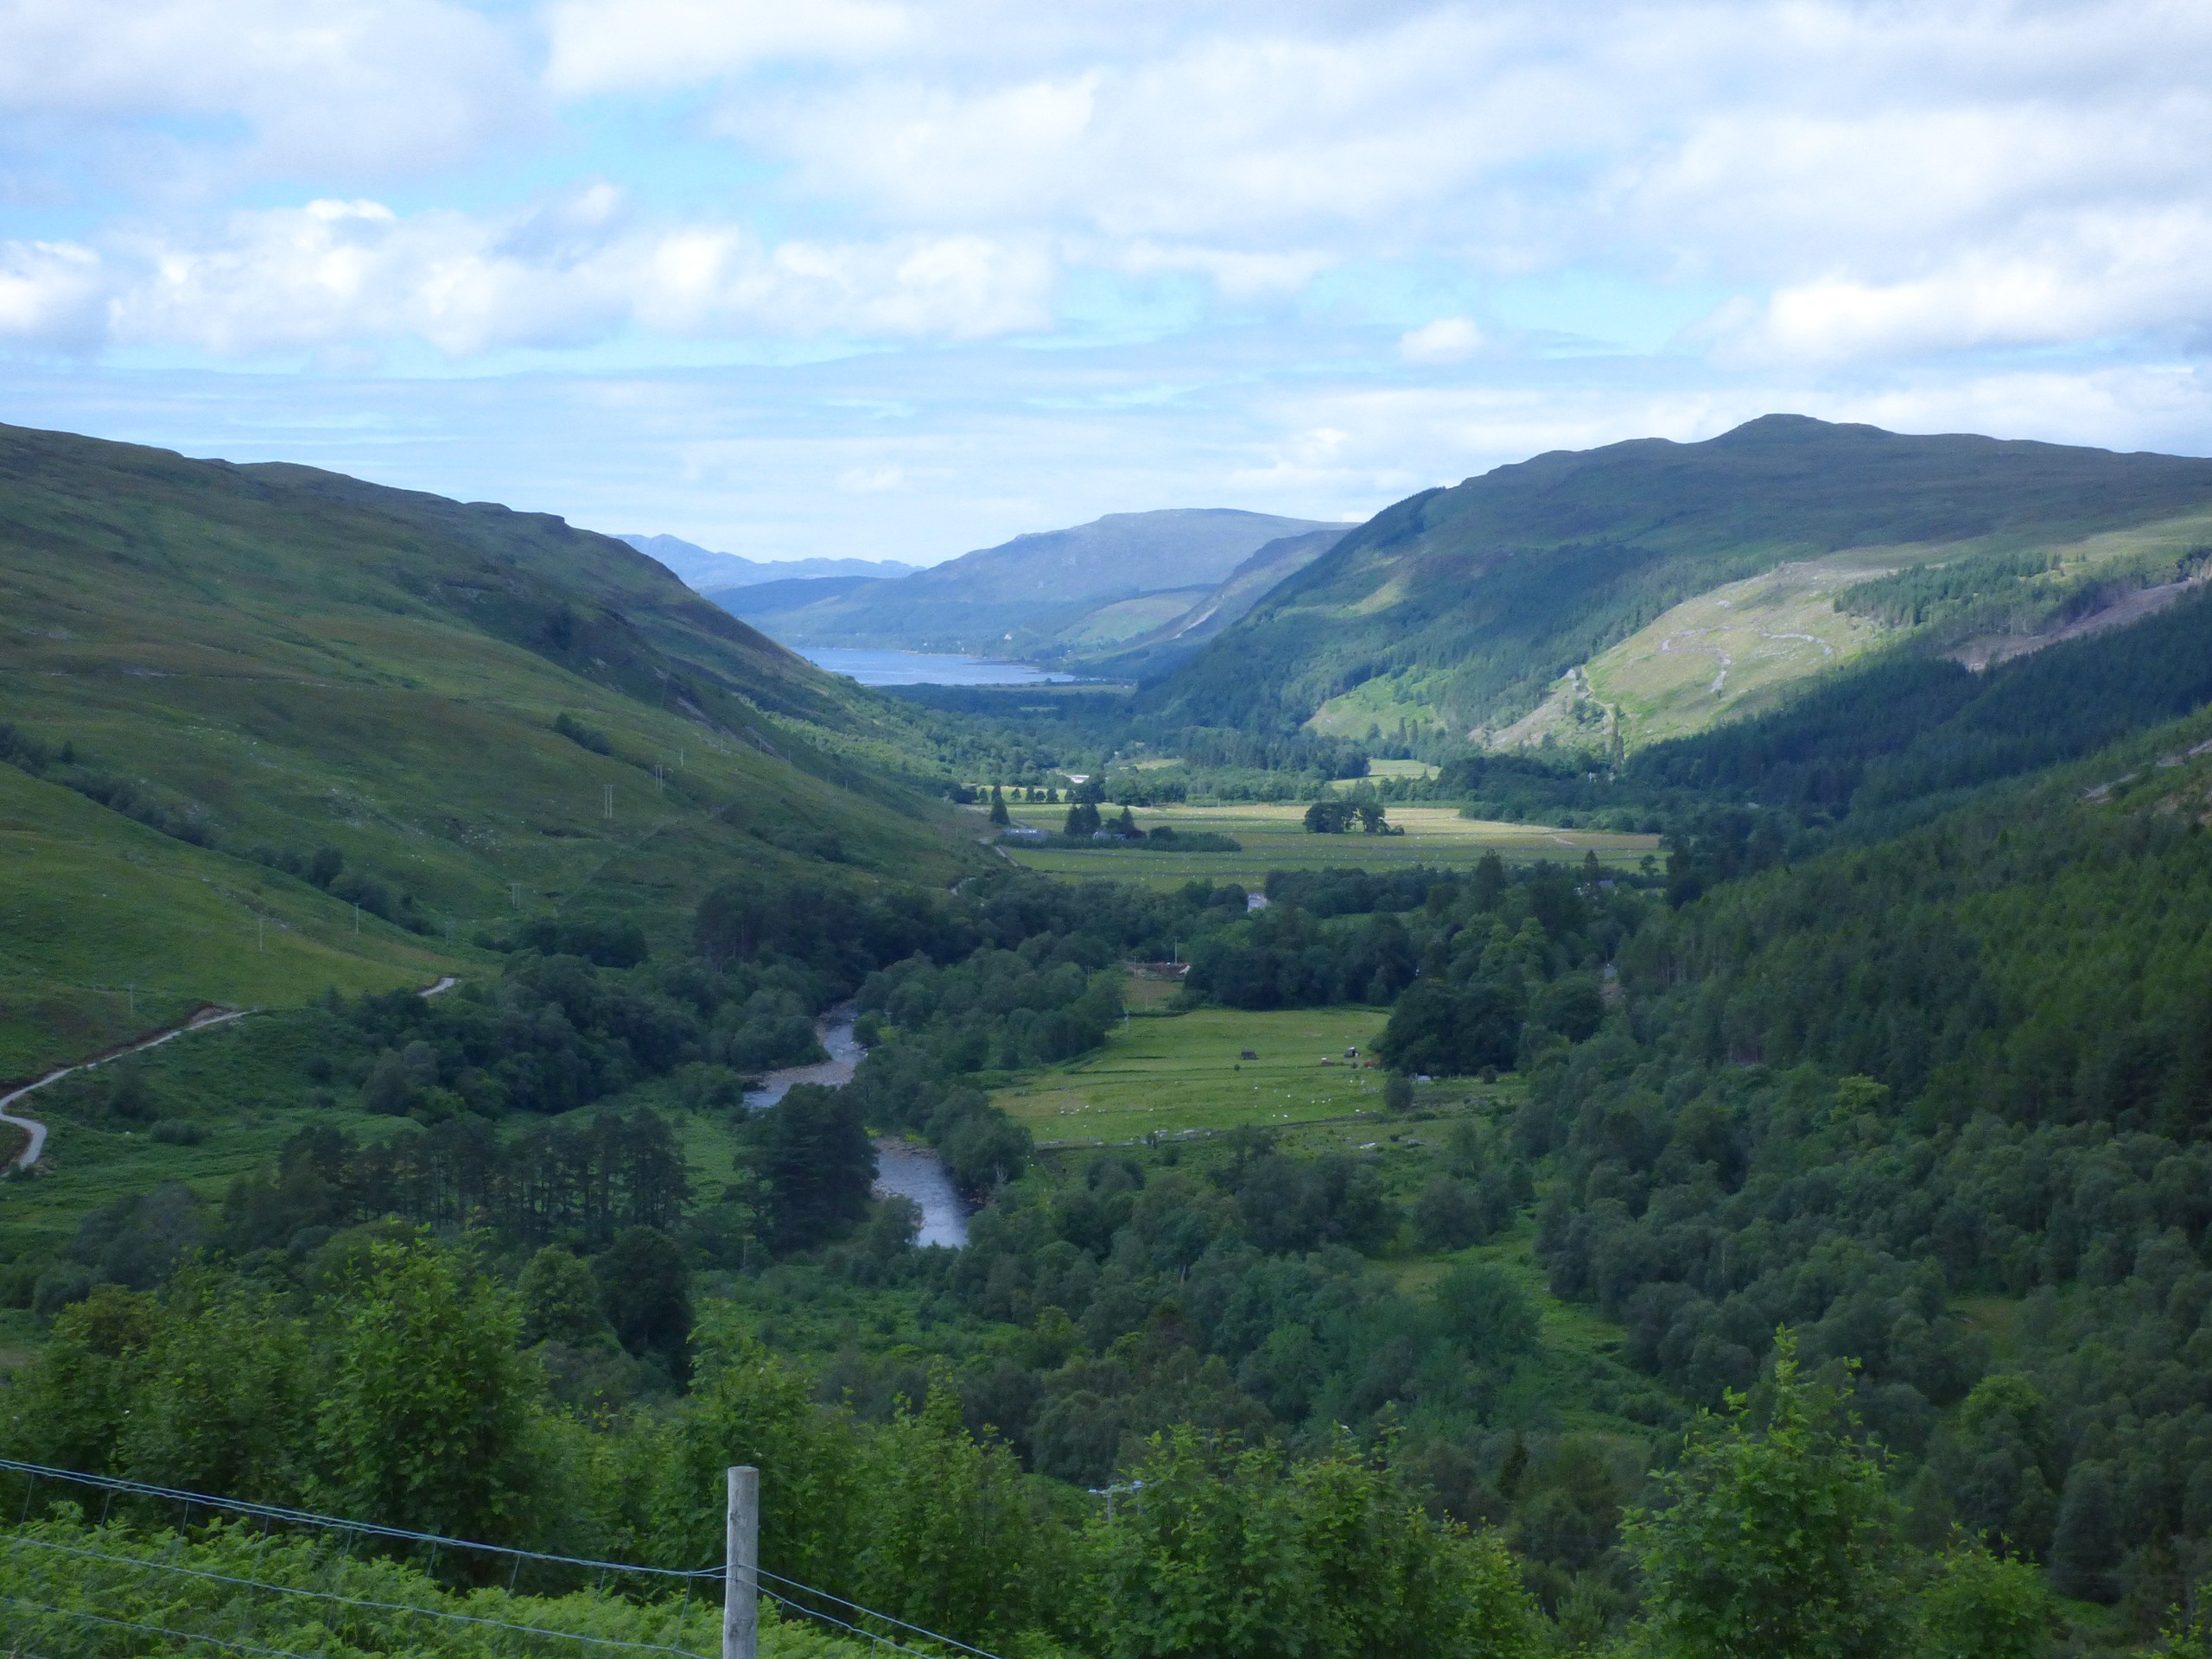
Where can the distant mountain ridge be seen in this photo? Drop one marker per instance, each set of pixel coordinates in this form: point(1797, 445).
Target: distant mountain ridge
point(1129, 582)
point(1463, 611)
point(702, 569)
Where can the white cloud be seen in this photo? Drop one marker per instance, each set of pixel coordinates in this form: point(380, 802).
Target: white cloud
point(1237, 275)
point(576, 270)
point(357, 87)
point(1448, 339)
point(1910, 212)
point(52, 296)
point(1218, 139)
point(2090, 277)
point(1755, 143)
point(614, 46)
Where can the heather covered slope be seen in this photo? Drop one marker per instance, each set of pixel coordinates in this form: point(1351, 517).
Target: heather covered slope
point(297, 693)
point(1461, 607)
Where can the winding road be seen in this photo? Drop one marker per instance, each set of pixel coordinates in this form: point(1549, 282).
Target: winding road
point(201, 1021)
point(36, 1130)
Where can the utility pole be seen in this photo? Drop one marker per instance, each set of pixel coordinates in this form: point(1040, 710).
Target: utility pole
point(514, 892)
point(741, 1567)
point(1108, 1491)
point(610, 800)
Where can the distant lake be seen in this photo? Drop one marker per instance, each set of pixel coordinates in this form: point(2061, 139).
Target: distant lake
point(928, 668)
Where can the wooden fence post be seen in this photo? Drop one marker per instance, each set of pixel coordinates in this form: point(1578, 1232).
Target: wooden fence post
point(741, 1567)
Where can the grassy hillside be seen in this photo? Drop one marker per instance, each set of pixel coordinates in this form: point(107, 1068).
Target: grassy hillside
point(108, 928)
point(211, 675)
point(1470, 603)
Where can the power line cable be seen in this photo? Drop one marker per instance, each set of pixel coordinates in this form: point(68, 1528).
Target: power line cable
point(874, 1638)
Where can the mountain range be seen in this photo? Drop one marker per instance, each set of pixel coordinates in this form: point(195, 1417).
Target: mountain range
point(705, 570)
point(1123, 593)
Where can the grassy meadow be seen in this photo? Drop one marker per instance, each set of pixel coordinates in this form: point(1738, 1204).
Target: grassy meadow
point(1744, 647)
point(1276, 838)
point(1167, 1074)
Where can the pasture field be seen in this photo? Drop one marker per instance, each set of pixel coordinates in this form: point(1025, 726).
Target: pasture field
point(1167, 1074)
point(1275, 838)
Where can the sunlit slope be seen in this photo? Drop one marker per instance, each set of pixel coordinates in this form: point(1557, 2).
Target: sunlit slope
point(265, 662)
point(1469, 604)
point(1744, 647)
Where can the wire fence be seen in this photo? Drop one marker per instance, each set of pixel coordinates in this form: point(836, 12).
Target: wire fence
point(216, 1575)
point(519, 1569)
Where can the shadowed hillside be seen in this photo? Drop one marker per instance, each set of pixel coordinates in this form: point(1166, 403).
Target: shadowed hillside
point(252, 709)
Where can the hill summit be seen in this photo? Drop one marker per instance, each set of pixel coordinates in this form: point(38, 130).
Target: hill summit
point(1465, 608)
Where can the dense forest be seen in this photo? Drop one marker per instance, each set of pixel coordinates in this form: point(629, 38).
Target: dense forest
point(1711, 1144)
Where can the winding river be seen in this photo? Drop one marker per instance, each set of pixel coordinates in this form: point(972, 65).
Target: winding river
point(904, 1168)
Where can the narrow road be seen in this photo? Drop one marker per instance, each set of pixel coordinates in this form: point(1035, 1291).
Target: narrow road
point(203, 1020)
point(36, 1130)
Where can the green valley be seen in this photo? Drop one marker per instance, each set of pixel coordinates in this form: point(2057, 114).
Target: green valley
point(1483, 1172)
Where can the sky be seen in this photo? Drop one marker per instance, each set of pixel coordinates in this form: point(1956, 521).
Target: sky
point(890, 279)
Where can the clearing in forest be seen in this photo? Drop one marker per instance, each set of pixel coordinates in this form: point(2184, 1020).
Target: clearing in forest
point(1167, 1075)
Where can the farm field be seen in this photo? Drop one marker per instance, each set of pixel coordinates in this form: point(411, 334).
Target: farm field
point(1275, 838)
point(1168, 1074)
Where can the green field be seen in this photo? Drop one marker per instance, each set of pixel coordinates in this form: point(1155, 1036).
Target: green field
point(1275, 838)
point(1168, 1074)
